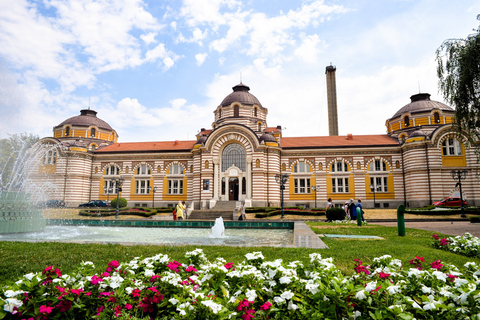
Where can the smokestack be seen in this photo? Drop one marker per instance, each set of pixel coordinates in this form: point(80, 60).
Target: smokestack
point(332, 101)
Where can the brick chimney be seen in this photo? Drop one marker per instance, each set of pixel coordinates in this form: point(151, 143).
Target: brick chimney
point(332, 101)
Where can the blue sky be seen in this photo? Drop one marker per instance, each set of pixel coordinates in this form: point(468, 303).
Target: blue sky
point(156, 70)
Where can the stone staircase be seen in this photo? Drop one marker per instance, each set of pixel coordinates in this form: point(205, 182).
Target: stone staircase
point(224, 209)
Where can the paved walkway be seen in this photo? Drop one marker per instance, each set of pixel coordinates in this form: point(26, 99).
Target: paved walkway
point(454, 228)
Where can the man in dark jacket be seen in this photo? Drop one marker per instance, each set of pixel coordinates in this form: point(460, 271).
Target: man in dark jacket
point(359, 205)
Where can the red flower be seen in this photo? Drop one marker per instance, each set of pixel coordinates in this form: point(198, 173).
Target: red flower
point(47, 269)
point(45, 309)
point(444, 242)
point(128, 306)
point(64, 305)
point(118, 311)
point(383, 275)
point(95, 280)
point(436, 264)
point(191, 269)
point(435, 237)
point(229, 265)
point(152, 279)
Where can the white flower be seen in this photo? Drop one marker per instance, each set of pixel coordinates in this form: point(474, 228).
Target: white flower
point(416, 305)
point(29, 276)
point(88, 263)
point(357, 314)
point(11, 293)
point(393, 289)
point(212, 305)
point(173, 301)
point(10, 303)
point(312, 287)
point(361, 295)
point(440, 275)
point(285, 280)
point(149, 273)
point(371, 286)
point(181, 312)
point(430, 305)
point(278, 300)
point(251, 295)
point(426, 289)
point(292, 306)
point(287, 295)
point(271, 273)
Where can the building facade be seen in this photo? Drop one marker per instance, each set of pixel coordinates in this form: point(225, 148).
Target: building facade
point(240, 157)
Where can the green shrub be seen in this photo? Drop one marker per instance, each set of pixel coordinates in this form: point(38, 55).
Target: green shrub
point(335, 214)
point(475, 219)
point(432, 210)
point(122, 203)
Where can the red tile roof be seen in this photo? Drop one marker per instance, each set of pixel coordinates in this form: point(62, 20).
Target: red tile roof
point(338, 141)
point(173, 146)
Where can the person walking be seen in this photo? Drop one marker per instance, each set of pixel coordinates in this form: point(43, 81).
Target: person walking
point(359, 205)
point(329, 203)
point(180, 210)
point(352, 209)
point(347, 211)
point(243, 215)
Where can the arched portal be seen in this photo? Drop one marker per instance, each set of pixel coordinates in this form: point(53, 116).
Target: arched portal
point(234, 173)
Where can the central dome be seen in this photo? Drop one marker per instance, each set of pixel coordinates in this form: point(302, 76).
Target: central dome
point(421, 103)
point(86, 118)
point(240, 94)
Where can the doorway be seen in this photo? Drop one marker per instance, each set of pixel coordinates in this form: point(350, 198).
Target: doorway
point(233, 189)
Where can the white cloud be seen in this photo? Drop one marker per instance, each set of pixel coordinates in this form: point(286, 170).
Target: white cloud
point(308, 51)
point(149, 37)
point(200, 58)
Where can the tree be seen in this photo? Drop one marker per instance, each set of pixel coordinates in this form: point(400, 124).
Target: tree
point(12, 151)
point(458, 70)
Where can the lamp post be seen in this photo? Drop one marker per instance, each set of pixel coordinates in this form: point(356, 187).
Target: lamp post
point(372, 189)
point(460, 175)
point(315, 189)
point(281, 179)
point(118, 184)
point(154, 189)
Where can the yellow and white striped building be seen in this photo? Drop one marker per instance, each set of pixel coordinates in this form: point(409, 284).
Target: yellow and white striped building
point(240, 156)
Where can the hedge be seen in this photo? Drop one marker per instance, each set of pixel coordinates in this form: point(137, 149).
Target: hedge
point(432, 210)
point(299, 212)
point(143, 212)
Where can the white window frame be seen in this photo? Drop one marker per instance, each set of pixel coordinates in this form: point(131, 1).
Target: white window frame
point(378, 166)
point(107, 184)
point(380, 183)
point(302, 167)
point(340, 185)
point(302, 185)
point(339, 166)
point(142, 186)
point(50, 157)
point(175, 186)
point(451, 147)
point(112, 170)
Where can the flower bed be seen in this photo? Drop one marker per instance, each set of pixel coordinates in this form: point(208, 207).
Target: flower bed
point(466, 245)
point(144, 212)
point(158, 288)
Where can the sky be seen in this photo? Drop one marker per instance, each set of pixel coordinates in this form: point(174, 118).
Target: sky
point(156, 70)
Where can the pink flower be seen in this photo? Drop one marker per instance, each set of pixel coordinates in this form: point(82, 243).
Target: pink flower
point(118, 311)
point(190, 269)
point(95, 280)
point(100, 309)
point(436, 264)
point(435, 237)
point(47, 269)
point(229, 265)
point(76, 291)
point(128, 306)
point(174, 266)
point(152, 279)
point(105, 274)
point(45, 309)
point(114, 264)
point(64, 305)
point(383, 275)
point(136, 293)
point(153, 289)
point(444, 242)
point(265, 306)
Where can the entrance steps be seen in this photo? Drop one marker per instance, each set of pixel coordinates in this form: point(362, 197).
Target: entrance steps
point(224, 209)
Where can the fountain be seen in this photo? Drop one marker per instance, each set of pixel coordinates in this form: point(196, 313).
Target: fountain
point(19, 195)
point(218, 229)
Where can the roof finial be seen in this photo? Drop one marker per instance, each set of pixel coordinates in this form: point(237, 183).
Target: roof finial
point(88, 103)
point(241, 77)
point(419, 87)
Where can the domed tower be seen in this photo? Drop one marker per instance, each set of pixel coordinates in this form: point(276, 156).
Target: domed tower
point(241, 107)
point(85, 131)
point(420, 114)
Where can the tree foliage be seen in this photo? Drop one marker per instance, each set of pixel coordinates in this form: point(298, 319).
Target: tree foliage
point(458, 70)
point(12, 150)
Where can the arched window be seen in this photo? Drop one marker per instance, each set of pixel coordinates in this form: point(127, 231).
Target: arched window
point(301, 182)
point(220, 112)
point(92, 132)
point(112, 171)
point(234, 154)
point(175, 179)
point(257, 163)
point(207, 164)
point(259, 126)
point(67, 131)
point(451, 147)
point(407, 121)
point(236, 110)
point(50, 157)
point(284, 167)
point(340, 176)
point(255, 111)
point(377, 165)
point(93, 147)
point(436, 117)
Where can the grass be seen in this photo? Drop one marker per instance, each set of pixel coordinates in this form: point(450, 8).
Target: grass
point(19, 258)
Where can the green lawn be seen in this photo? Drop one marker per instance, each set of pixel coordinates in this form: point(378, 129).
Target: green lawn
point(19, 258)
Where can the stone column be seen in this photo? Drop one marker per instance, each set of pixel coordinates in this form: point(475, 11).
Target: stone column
point(216, 179)
point(249, 177)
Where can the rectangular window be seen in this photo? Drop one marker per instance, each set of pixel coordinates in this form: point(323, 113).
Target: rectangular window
point(142, 187)
point(175, 186)
point(380, 184)
point(340, 185)
point(109, 187)
point(206, 185)
point(302, 185)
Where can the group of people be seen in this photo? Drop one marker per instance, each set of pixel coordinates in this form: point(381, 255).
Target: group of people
point(350, 208)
